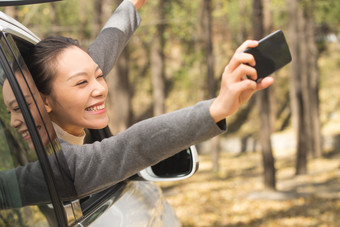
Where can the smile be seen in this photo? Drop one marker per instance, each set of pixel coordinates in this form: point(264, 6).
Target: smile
point(24, 134)
point(95, 108)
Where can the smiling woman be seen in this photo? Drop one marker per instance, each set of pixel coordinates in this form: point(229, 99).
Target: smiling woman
point(61, 69)
point(71, 81)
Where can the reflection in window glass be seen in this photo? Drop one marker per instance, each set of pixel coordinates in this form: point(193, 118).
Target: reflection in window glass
point(24, 196)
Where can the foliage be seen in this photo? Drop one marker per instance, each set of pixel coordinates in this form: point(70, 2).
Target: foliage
point(75, 18)
point(327, 13)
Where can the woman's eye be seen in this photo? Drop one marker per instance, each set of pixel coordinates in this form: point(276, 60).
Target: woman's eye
point(101, 76)
point(16, 109)
point(82, 82)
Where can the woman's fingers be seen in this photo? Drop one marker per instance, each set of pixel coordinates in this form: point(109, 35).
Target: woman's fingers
point(247, 44)
point(265, 82)
point(138, 3)
point(245, 72)
point(242, 58)
point(241, 72)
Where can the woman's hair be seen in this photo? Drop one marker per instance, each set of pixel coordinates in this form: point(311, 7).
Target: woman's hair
point(42, 63)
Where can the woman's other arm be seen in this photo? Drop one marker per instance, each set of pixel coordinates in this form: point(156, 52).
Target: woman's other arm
point(115, 34)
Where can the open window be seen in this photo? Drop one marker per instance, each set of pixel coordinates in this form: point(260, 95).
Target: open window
point(35, 187)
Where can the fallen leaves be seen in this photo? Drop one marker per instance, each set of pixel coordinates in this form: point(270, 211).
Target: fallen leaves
point(234, 196)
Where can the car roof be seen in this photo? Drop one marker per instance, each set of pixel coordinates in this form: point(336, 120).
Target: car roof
point(23, 2)
point(11, 26)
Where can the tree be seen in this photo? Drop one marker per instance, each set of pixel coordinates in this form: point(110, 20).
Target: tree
point(11, 11)
point(304, 82)
point(205, 45)
point(158, 60)
point(263, 103)
point(102, 11)
point(120, 95)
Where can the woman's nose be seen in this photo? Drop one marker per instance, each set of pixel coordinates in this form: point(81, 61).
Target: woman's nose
point(99, 88)
point(15, 120)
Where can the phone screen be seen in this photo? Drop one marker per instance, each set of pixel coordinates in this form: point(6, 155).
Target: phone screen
point(271, 54)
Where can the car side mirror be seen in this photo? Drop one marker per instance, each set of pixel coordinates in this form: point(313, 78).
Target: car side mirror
point(178, 167)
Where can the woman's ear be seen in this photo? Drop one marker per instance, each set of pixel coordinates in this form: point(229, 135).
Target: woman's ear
point(47, 102)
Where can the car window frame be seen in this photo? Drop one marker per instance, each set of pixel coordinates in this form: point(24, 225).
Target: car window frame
point(39, 148)
point(23, 2)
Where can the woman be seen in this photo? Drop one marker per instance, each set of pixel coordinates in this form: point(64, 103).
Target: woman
point(74, 94)
point(104, 51)
point(72, 87)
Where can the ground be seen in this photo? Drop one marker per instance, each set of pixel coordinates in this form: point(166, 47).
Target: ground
point(235, 197)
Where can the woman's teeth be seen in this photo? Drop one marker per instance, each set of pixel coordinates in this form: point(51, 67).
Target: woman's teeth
point(95, 108)
point(24, 134)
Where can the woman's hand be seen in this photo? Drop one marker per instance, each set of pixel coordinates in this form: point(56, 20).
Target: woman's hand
point(138, 3)
point(236, 88)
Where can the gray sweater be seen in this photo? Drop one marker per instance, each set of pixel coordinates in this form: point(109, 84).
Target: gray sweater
point(97, 166)
point(114, 36)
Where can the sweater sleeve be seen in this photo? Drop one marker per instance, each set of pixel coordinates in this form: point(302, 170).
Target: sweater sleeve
point(114, 36)
point(100, 165)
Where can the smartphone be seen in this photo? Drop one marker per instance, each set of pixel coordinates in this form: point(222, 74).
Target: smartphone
point(271, 54)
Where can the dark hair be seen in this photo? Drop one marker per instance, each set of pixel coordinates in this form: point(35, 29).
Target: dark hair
point(42, 63)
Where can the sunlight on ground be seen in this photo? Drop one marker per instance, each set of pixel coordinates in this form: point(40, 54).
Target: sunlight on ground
point(234, 196)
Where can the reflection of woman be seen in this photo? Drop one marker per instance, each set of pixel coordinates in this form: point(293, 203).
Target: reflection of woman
point(17, 119)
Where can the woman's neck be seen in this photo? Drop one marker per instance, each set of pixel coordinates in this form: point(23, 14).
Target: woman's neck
point(68, 137)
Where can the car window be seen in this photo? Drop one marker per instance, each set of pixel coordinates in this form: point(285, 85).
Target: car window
point(22, 184)
point(33, 175)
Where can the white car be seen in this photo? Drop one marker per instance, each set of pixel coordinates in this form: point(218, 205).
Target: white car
point(34, 188)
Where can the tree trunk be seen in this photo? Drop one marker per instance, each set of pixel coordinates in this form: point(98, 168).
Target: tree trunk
point(304, 88)
point(242, 34)
point(263, 103)
point(206, 47)
point(296, 86)
point(158, 61)
point(120, 95)
point(268, 28)
point(102, 12)
point(313, 78)
point(11, 11)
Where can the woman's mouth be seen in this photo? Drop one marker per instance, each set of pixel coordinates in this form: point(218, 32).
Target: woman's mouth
point(96, 108)
point(26, 135)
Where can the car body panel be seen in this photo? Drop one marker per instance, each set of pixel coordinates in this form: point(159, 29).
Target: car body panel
point(9, 25)
point(139, 203)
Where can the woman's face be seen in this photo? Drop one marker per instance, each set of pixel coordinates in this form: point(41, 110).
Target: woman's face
point(17, 119)
point(77, 99)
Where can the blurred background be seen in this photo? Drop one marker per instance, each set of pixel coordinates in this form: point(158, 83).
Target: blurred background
point(278, 164)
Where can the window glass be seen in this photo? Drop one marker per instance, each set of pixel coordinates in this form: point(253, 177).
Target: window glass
point(24, 194)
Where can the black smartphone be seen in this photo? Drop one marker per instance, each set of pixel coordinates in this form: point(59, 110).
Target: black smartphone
point(271, 54)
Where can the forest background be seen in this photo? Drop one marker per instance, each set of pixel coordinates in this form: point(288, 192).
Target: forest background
point(176, 58)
